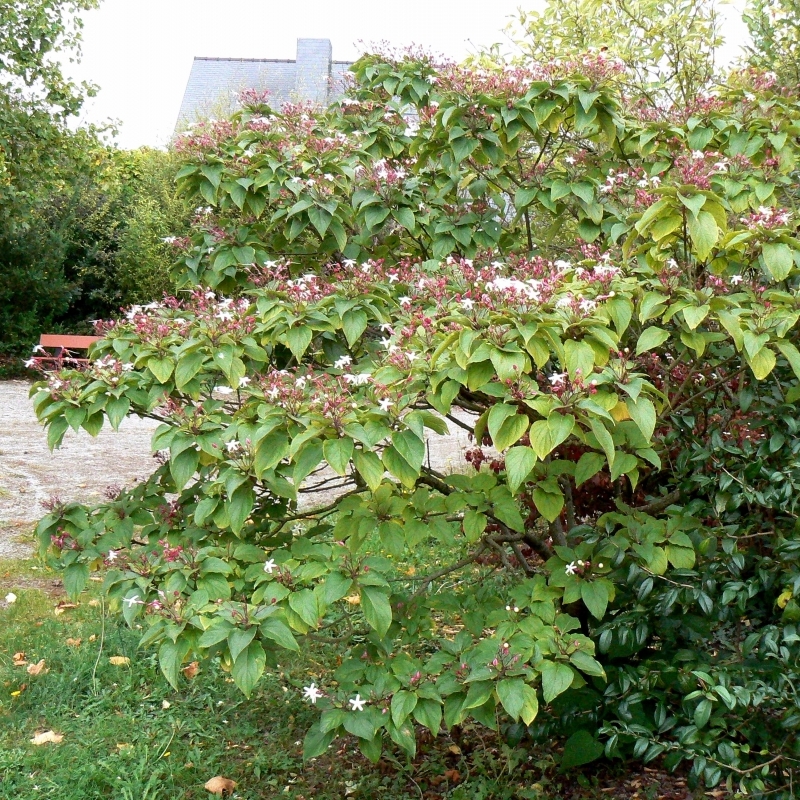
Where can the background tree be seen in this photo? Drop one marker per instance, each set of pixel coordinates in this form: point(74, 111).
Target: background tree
point(668, 48)
point(775, 32)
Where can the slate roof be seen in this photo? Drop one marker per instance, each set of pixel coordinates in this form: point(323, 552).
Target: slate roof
point(214, 83)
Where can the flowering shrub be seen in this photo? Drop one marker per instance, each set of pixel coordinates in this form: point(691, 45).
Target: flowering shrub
point(605, 301)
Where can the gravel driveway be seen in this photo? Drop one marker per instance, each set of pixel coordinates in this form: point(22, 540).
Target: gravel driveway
point(80, 470)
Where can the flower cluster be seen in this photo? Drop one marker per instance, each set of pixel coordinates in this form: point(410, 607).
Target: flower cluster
point(765, 218)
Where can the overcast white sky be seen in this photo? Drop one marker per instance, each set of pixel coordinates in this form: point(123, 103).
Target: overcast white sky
point(140, 51)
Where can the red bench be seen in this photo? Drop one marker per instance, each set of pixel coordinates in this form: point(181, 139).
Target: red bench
point(59, 350)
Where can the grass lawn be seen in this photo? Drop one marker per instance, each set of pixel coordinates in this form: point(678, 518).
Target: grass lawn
point(128, 735)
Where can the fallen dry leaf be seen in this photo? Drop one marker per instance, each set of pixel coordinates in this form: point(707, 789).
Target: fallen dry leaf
point(19, 660)
point(190, 670)
point(93, 637)
point(74, 642)
point(48, 737)
point(455, 749)
point(37, 669)
point(165, 704)
point(119, 661)
point(219, 785)
point(353, 599)
point(94, 602)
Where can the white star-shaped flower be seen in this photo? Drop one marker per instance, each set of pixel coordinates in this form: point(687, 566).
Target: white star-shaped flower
point(736, 279)
point(467, 303)
point(571, 568)
point(312, 693)
point(270, 566)
point(385, 404)
point(233, 446)
point(112, 556)
point(133, 601)
point(405, 301)
point(342, 362)
point(244, 381)
point(356, 703)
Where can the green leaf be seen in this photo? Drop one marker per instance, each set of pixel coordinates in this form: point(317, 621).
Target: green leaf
point(665, 226)
point(354, 323)
point(410, 447)
point(694, 315)
point(338, 452)
point(55, 432)
point(581, 660)
point(75, 578)
point(588, 466)
point(762, 363)
point(183, 466)
point(170, 658)
point(238, 639)
point(429, 714)
point(298, 340)
point(405, 216)
point(320, 219)
point(704, 233)
point(680, 557)
point(244, 255)
point(519, 463)
point(304, 604)
point(369, 467)
point(239, 507)
point(651, 338)
point(530, 704)
point(549, 504)
point(693, 203)
point(581, 748)
point(161, 368)
point(280, 633)
point(316, 742)
point(359, 723)
point(556, 679)
point(187, 367)
point(377, 609)
point(595, 596)
point(643, 413)
point(249, 667)
point(579, 357)
point(511, 692)
point(791, 354)
point(777, 259)
point(604, 439)
point(403, 703)
point(116, 410)
point(270, 451)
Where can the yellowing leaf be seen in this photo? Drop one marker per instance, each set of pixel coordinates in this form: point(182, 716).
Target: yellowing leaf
point(620, 412)
point(219, 785)
point(119, 661)
point(353, 599)
point(784, 598)
point(47, 737)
